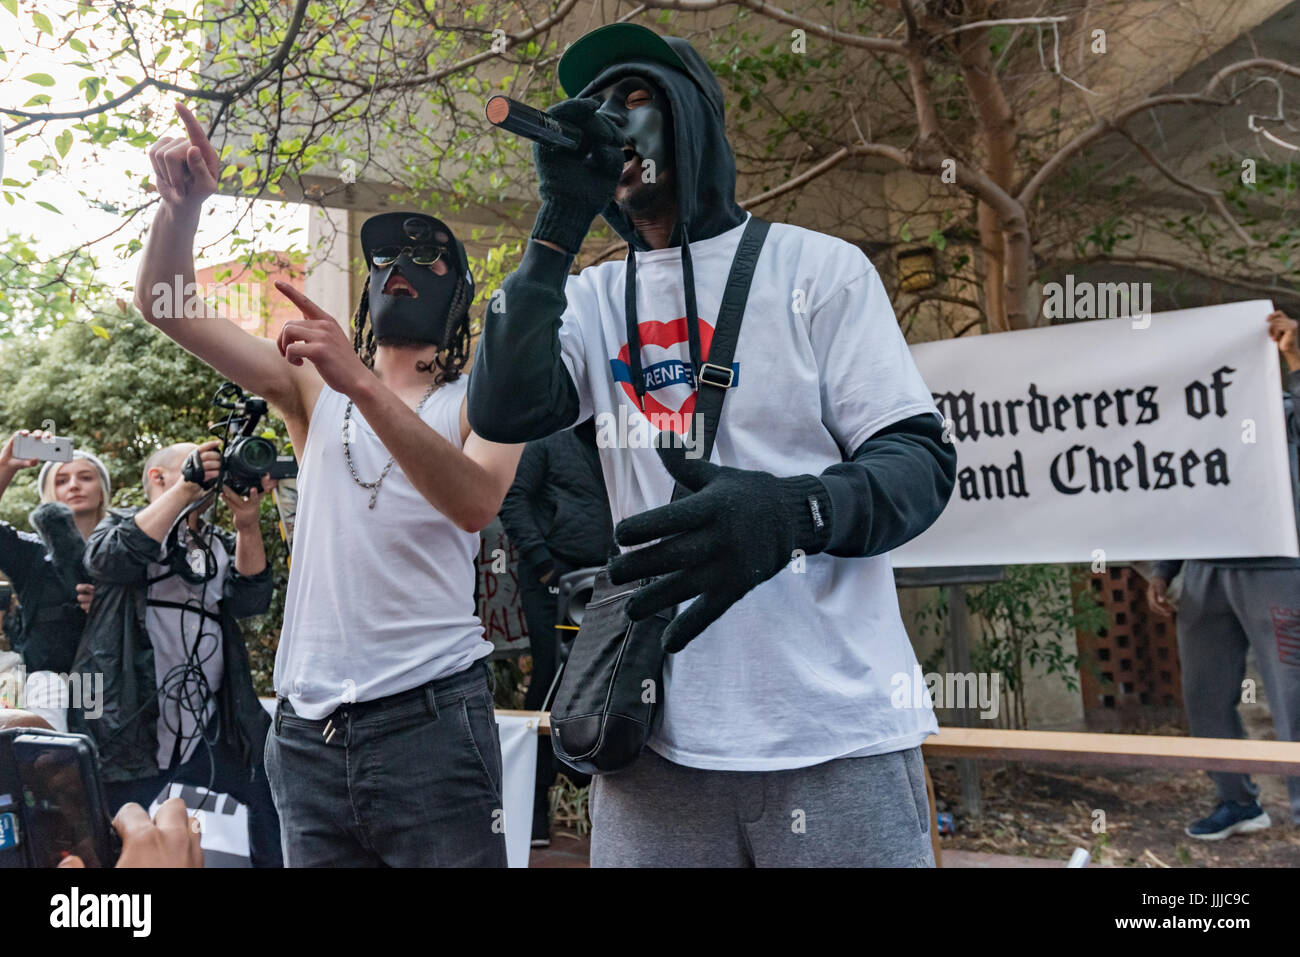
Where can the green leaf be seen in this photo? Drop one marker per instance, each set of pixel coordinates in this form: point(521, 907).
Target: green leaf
point(77, 45)
point(43, 23)
point(163, 53)
point(11, 6)
point(63, 143)
point(100, 331)
point(50, 206)
point(40, 79)
point(40, 99)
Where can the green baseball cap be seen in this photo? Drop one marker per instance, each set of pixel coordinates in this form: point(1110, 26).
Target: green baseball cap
point(607, 45)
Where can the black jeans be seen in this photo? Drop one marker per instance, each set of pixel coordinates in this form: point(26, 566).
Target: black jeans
point(410, 780)
point(246, 785)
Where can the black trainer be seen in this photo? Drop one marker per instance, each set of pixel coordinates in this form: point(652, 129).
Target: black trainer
point(1230, 818)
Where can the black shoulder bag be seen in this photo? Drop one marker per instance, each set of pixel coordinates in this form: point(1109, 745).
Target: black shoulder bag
point(609, 693)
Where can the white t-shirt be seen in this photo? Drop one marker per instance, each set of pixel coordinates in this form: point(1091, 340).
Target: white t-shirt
point(799, 670)
point(182, 642)
point(379, 601)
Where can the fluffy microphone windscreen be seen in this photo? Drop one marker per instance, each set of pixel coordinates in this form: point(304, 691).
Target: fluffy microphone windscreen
point(53, 521)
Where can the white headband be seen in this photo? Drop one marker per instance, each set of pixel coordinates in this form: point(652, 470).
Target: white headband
point(76, 454)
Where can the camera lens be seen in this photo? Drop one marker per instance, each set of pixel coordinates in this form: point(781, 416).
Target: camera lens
point(256, 455)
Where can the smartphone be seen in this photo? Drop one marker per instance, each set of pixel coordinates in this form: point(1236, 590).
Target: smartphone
point(56, 448)
point(59, 808)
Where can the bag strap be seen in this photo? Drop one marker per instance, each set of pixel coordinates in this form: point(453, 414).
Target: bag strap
point(716, 374)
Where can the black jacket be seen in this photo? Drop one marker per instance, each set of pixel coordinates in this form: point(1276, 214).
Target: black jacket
point(117, 645)
point(50, 621)
point(556, 510)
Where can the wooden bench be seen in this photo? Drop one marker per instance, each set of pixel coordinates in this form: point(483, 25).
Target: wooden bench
point(1245, 756)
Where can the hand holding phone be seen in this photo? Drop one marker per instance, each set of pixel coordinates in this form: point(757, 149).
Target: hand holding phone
point(42, 447)
point(26, 450)
point(171, 839)
point(56, 806)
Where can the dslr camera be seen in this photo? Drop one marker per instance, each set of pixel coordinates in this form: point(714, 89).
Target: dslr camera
point(245, 456)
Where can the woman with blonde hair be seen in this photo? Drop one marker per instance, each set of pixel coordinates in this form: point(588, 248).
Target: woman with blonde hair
point(82, 484)
point(52, 615)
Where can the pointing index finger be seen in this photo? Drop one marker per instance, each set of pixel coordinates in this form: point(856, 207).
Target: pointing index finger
point(199, 138)
point(308, 308)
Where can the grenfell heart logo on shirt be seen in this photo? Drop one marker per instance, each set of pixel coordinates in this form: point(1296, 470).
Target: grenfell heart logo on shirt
point(669, 380)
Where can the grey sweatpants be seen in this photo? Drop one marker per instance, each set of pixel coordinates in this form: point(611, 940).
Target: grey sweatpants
point(852, 812)
point(1222, 612)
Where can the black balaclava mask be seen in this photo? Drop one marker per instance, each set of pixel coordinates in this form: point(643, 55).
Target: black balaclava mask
point(703, 169)
point(409, 302)
point(639, 107)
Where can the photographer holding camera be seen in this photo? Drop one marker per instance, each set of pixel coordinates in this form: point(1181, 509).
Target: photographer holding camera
point(163, 630)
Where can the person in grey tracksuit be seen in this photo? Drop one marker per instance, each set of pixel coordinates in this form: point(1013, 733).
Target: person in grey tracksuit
point(1227, 606)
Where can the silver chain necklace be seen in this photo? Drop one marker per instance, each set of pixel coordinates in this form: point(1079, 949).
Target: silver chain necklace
point(347, 448)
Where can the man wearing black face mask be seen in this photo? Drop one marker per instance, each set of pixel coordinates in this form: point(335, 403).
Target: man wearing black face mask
point(384, 747)
point(778, 742)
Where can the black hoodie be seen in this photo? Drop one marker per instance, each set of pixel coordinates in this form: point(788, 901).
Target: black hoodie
point(519, 388)
point(704, 170)
point(896, 483)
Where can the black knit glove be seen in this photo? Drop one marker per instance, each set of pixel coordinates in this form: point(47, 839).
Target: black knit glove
point(739, 529)
point(576, 186)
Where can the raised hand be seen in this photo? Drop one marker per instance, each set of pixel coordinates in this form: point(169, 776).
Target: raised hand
point(244, 509)
point(186, 169)
point(1282, 330)
point(575, 186)
point(209, 457)
point(317, 338)
point(7, 461)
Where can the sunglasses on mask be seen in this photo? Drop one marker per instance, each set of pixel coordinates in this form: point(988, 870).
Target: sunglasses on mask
point(424, 255)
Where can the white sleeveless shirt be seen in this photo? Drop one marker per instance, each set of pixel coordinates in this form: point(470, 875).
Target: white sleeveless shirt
point(379, 601)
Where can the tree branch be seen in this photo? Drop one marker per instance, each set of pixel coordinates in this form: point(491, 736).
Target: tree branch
point(773, 12)
point(224, 97)
point(1213, 195)
point(1111, 124)
point(1255, 284)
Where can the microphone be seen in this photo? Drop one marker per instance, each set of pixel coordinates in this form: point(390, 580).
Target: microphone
point(523, 120)
point(54, 523)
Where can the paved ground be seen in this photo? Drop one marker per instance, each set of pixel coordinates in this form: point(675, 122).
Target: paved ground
point(567, 849)
point(1126, 817)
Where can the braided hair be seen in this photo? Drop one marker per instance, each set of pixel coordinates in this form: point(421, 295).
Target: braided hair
point(451, 357)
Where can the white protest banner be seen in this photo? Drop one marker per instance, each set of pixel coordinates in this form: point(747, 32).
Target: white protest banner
point(518, 736)
point(1112, 440)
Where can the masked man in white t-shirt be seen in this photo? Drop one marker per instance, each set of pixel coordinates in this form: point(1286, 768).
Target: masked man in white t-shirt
point(384, 747)
point(829, 453)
